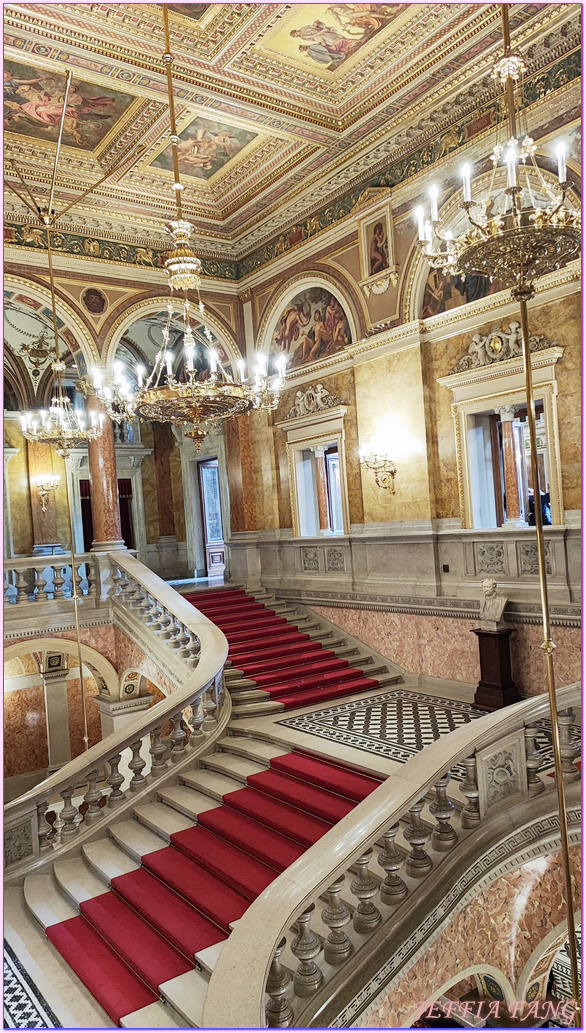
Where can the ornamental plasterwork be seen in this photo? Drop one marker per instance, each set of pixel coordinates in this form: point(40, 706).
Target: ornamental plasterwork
point(498, 346)
point(501, 771)
point(315, 399)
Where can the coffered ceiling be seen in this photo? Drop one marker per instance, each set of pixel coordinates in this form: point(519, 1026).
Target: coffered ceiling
point(281, 107)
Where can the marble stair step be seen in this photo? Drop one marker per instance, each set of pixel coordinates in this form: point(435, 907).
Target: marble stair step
point(324, 637)
point(253, 749)
point(249, 696)
point(186, 994)
point(108, 859)
point(234, 681)
point(210, 783)
point(257, 709)
point(186, 800)
point(163, 820)
point(237, 767)
point(78, 881)
point(208, 957)
point(46, 901)
point(159, 1015)
point(136, 839)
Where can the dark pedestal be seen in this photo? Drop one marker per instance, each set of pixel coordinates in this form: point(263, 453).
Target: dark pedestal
point(496, 688)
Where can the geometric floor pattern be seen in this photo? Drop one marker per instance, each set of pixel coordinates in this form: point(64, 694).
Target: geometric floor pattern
point(24, 1005)
point(398, 724)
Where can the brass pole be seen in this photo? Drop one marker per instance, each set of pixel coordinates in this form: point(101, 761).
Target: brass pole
point(63, 113)
point(509, 84)
point(522, 294)
point(65, 456)
point(168, 60)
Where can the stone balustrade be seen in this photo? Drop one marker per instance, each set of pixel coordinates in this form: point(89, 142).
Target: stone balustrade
point(39, 579)
point(316, 929)
point(81, 796)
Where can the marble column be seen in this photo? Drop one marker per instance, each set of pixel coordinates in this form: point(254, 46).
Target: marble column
point(322, 488)
point(57, 714)
point(40, 464)
point(511, 468)
point(164, 443)
point(8, 539)
point(103, 484)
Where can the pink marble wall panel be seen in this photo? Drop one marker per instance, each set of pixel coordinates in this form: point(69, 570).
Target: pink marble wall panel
point(100, 639)
point(25, 731)
point(130, 655)
point(75, 710)
point(500, 928)
point(443, 647)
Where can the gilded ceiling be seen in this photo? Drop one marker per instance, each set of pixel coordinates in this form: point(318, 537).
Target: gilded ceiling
point(281, 107)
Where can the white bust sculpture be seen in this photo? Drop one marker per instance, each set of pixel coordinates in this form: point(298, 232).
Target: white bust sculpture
point(492, 606)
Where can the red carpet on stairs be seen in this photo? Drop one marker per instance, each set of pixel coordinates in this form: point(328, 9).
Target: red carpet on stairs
point(275, 654)
point(149, 926)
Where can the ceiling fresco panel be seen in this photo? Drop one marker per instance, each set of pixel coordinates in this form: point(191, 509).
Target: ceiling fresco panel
point(192, 11)
point(205, 147)
point(33, 107)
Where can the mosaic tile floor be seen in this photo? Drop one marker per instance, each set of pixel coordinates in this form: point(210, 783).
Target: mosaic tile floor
point(397, 724)
point(24, 1005)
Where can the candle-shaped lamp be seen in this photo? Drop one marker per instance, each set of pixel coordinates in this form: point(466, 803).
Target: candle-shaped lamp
point(466, 183)
point(433, 195)
point(420, 222)
point(511, 160)
point(561, 153)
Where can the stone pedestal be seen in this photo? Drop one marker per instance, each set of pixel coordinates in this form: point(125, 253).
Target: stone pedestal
point(114, 715)
point(496, 688)
point(57, 712)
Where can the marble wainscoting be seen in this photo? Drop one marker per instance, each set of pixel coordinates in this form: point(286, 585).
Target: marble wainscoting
point(25, 731)
point(494, 934)
point(74, 708)
point(444, 647)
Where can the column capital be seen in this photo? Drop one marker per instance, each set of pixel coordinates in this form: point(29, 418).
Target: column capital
point(507, 413)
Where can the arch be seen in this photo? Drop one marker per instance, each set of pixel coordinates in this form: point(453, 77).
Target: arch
point(148, 307)
point(293, 286)
point(17, 382)
point(417, 266)
point(96, 663)
point(532, 983)
point(86, 357)
point(478, 971)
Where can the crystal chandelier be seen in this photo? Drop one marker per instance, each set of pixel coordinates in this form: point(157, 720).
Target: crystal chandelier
point(514, 236)
point(174, 390)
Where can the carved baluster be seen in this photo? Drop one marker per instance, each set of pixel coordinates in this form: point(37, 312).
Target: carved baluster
point(40, 583)
point(306, 946)
point(44, 830)
point(50, 572)
point(534, 761)
point(393, 889)
point(154, 616)
point(364, 886)
point(138, 781)
point(194, 649)
point(278, 1011)
point(209, 711)
point(58, 582)
point(78, 579)
point(444, 835)
point(92, 798)
point(7, 587)
point(183, 640)
point(130, 593)
point(418, 862)
point(68, 814)
point(91, 578)
point(569, 750)
point(336, 915)
point(157, 752)
point(174, 632)
point(178, 737)
point(196, 717)
point(145, 606)
point(115, 780)
point(22, 593)
point(164, 621)
point(117, 579)
point(470, 816)
point(138, 600)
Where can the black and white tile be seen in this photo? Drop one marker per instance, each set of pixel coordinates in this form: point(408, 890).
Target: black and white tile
point(24, 1005)
point(398, 724)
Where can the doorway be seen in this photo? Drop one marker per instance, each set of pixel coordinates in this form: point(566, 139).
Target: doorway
point(211, 513)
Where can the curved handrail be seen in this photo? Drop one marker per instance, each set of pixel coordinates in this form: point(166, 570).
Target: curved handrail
point(245, 959)
point(212, 651)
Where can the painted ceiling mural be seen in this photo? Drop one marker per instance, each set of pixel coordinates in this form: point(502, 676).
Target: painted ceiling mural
point(33, 107)
point(312, 326)
point(277, 142)
point(204, 148)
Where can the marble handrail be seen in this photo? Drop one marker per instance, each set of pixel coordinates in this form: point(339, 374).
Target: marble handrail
point(253, 951)
point(186, 635)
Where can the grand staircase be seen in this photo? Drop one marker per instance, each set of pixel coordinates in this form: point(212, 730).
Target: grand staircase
point(283, 657)
point(142, 914)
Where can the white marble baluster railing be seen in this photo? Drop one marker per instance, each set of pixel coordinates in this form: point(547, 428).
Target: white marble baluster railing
point(68, 806)
point(33, 579)
point(421, 832)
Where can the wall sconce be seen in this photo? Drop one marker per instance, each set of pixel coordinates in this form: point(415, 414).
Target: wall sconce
point(46, 483)
point(384, 468)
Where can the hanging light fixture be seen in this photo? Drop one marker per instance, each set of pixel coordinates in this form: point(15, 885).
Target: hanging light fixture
point(516, 237)
point(174, 390)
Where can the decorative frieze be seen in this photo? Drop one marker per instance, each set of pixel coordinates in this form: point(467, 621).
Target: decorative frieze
point(498, 346)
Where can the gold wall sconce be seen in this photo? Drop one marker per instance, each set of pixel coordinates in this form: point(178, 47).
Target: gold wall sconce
point(46, 483)
point(384, 468)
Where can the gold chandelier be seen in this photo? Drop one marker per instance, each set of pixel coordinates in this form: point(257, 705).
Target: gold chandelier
point(175, 391)
point(512, 237)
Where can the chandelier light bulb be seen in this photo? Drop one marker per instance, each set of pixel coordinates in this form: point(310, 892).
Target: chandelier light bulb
point(466, 183)
point(433, 195)
point(140, 372)
point(188, 358)
point(418, 213)
point(561, 155)
point(169, 363)
point(97, 378)
point(241, 369)
point(511, 160)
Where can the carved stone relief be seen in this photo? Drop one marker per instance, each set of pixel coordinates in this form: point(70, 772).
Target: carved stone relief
point(490, 558)
point(315, 399)
point(498, 346)
point(18, 843)
point(501, 771)
point(310, 559)
point(335, 560)
point(527, 558)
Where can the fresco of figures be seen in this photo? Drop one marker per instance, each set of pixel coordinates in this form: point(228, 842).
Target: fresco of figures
point(312, 326)
point(444, 292)
point(204, 148)
point(33, 106)
point(324, 36)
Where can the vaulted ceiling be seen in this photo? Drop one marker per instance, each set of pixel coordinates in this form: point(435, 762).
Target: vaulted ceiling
point(281, 107)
